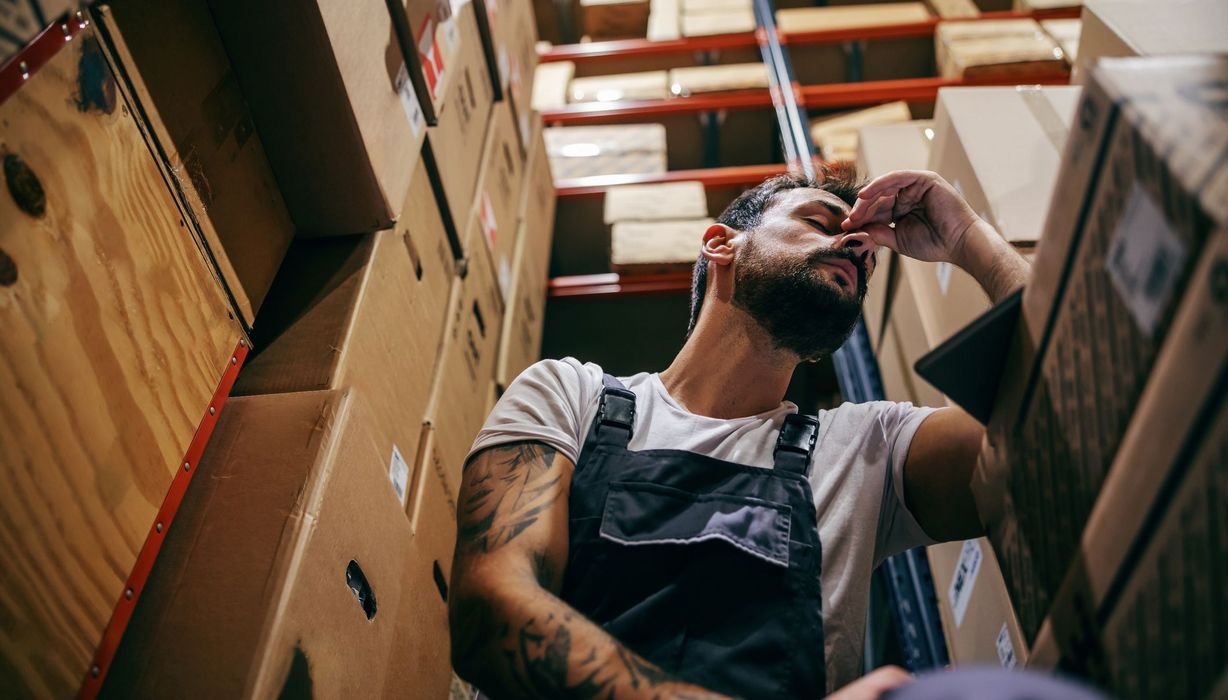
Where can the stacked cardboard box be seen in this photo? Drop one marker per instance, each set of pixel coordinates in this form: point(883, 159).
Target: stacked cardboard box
point(580, 151)
point(694, 80)
point(1016, 49)
point(1122, 28)
point(655, 228)
point(1137, 208)
point(704, 17)
point(647, 85)
point(614, 19)
point(836, 134)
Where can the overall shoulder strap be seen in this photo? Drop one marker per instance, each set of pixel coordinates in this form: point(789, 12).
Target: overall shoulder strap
point(615, 419)
point(795, 445)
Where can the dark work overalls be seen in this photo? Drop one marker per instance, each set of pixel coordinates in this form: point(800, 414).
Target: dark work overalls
point(707, 568)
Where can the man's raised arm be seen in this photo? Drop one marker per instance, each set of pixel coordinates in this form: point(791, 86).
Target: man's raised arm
point(511, 635)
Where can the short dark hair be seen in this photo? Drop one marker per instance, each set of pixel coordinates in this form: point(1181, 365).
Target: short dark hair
point(745, 212)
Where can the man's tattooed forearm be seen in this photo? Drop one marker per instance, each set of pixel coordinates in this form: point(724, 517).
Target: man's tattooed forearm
point(507, 489)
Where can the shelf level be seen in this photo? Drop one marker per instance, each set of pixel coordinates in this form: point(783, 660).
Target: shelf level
point(613, 284)
point(712, 178)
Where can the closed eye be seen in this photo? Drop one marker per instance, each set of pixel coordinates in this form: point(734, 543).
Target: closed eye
point(819, 225)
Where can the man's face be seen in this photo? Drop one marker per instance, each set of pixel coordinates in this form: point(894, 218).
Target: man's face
point(800, 276)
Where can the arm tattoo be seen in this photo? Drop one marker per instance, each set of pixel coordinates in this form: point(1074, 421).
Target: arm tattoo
point(507, 489)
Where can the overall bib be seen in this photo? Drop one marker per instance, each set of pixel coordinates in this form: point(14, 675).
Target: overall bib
point(707, 568)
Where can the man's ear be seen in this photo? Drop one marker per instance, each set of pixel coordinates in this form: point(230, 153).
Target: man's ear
point(718, 244)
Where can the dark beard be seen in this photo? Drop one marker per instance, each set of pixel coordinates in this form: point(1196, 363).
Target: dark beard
point(801, 311)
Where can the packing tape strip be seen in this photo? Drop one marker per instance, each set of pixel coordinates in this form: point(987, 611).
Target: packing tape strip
point(1040, 107)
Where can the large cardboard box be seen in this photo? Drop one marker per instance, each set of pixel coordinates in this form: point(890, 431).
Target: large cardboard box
point(500, 190)
point(1123, 28)
point(362, 311)
point(537, 203)
point(524, 317)
point(656, 246)
point(1008, 182)
point(614, 19)
point(551, 84)
point(331, 99)
point(711, 23)
point(290, 565)
point(1180, 397)
point(693, 80)
point(880, 59)
point(433, 42)
point(514, 34)
point(616, 149)
point(647, 85)
point(457, 140)
point(1004, 49)
point(462, 385)
point(836, 134)
point(1142, 185)
point(909, 342)
point(977, 619)
point(116, 336)
point(203, 128)
point(882, 148)
point(663, 200)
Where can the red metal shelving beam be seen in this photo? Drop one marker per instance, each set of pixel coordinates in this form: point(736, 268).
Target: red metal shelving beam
point(615, 112)
point(713, 178)
point(598, 50)
point(910, 89)
point(614, 284)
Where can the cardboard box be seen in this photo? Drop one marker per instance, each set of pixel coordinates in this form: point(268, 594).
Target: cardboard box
point(457, 140)
point(1124, 28)
point(909, 342)
point(664, 22)
point(649, 85)
point(433, 28)
point(881, 59)
point(656, 246)
point(614, 19)
point(343, 309)
point(882, 148)
point(1141, 186)
point(694, 80)
point(700, 6)
point(497, 205)
point(514, 44)
point(996, 49)
point(203, 127)
point(664, 200)
point(580, 151)
point(1008, 182)
point(954, 9)
point(711, 23)
point(552, 84)
point(289, 565)
point(461, 386)
point(537, 204)
point(523, 319)
point(977, 619)
point(116, 335)
point(1066, 33)
point(331, 99)
point(1178, 400)
point(836, 134)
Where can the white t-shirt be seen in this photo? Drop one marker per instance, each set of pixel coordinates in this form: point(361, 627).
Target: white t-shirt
point(856, 473)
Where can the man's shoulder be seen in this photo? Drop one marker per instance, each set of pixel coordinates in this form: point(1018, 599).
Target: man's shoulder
point(870, 415)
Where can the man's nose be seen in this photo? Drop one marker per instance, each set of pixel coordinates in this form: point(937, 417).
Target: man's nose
point(857, 242)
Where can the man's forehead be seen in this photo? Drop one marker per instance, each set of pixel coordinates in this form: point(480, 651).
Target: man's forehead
point(789, 200)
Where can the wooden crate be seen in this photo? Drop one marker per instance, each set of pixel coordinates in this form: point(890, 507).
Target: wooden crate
point(116, 334)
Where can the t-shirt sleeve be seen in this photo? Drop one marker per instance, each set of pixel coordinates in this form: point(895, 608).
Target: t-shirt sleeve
point(898, 529)
point(544, 403)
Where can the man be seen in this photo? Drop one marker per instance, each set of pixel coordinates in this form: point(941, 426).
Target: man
point(685, 534)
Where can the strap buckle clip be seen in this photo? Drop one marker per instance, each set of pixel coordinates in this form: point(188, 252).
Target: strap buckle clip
point(617, 407)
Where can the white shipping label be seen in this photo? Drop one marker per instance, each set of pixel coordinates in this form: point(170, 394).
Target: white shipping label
point(964, 579)
point(398, 474)
point(1145, 259)
point(1006, 650)
point(409, 101)
point(943, 271)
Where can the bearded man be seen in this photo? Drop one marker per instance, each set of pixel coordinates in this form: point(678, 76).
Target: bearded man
point(687, 533)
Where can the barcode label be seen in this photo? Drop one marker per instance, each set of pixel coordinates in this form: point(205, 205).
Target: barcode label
point(409, 101)
point(1006, 650)
point(964, 579)
point(398, 474)
point(1145, 259)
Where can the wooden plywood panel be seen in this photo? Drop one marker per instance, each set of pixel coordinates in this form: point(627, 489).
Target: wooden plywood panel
point(115, 336)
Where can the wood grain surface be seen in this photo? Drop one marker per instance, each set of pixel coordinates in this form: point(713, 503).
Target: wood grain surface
point(115, 334)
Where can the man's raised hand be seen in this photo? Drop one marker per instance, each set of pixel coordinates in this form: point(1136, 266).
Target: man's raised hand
point(932, 221)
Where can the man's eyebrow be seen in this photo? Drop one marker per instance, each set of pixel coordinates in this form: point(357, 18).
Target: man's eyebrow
point(835, 210)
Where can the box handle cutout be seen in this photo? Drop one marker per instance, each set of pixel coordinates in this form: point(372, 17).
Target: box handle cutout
point(477, 315)
point(361, 588)
point(440, 582)
point(413, 255)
